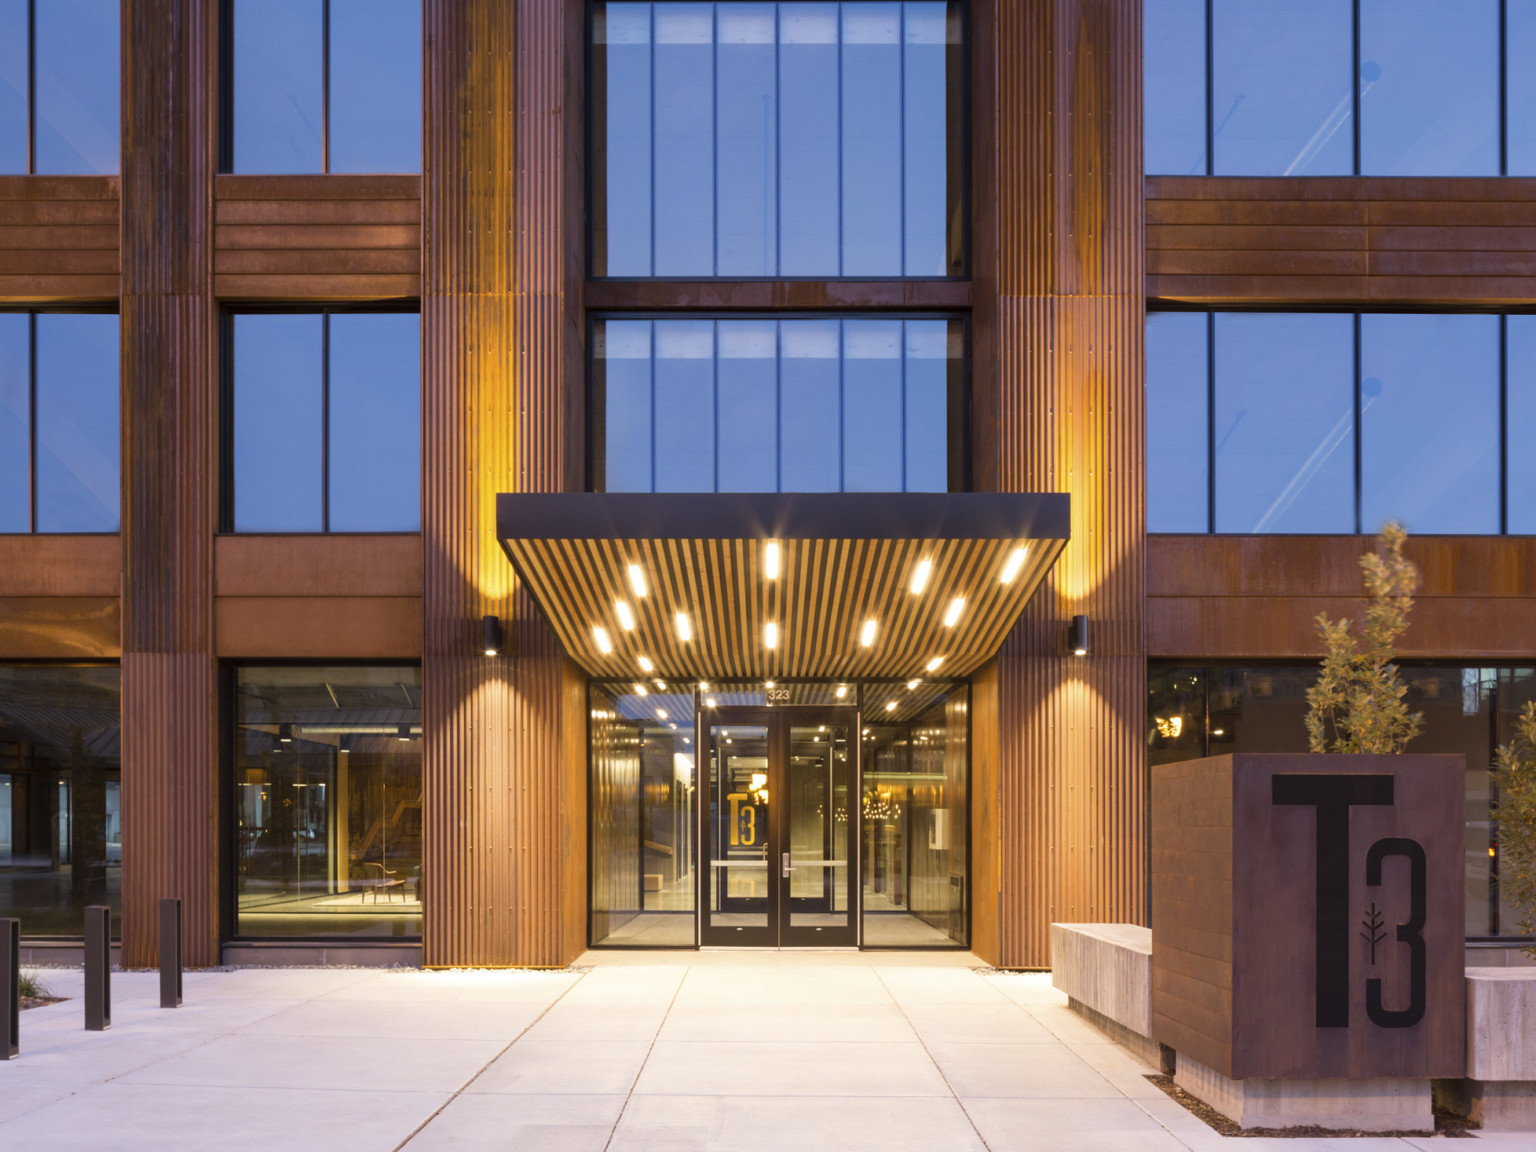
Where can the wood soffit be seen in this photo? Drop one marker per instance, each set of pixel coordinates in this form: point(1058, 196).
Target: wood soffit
point(844, 559)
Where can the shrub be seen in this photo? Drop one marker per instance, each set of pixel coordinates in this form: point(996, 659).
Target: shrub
point(1515, 774)
point(1357, 703)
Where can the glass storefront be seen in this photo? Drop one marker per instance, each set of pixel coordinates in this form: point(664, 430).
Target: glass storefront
point(327, 801)
point(795, 831)
point(61, 830)
point(1467, 710)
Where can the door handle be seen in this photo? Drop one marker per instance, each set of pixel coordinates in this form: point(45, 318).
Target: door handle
point(787, 868)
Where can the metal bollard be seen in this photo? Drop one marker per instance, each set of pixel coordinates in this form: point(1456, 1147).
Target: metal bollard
point(10, 988)
point(98, 968)
point(170, 953)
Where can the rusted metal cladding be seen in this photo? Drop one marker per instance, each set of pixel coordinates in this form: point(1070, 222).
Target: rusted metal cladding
point(1065, 414)
point(168, 417)
point(494, 354)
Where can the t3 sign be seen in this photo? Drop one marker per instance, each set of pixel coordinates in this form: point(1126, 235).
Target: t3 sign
point(1307, 915)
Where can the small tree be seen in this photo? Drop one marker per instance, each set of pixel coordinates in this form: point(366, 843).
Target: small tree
point(1515, 775)
point(1357, 703)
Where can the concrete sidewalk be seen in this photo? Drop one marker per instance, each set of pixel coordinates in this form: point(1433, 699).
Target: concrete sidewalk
point(750, 1052)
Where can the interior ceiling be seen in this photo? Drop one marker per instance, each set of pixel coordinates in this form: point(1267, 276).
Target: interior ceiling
point(844, 559)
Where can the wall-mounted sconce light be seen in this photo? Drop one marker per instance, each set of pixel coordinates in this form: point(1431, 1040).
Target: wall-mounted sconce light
point(1077, 636)
point(490, 635)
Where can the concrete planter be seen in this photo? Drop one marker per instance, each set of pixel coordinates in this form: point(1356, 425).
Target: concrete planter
point(1499, 1090)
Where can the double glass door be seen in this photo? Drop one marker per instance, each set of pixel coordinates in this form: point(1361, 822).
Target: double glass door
point(780, 826)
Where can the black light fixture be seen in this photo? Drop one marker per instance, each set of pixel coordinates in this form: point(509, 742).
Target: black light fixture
point(344, 743)
point(404, 732)
point(285, 733)
point(490, 635)
point(1077, 636)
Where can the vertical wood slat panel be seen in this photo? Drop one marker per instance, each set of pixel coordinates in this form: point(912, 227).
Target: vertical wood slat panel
point(169, 741)
point(1066, 130)
point(493, 357)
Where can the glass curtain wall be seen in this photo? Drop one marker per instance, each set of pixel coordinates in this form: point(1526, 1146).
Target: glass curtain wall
point(326, 801)
point(59, 398)
point(324, 422)
point(1468, 710)
point(323, 86)
point(1265, 422)
point(1284, 91)
point(61, 830)
point(59, 87)
point(803, 405)
point(795, 139)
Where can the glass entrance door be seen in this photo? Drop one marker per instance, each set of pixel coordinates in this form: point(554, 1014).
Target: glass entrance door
point(778, 818)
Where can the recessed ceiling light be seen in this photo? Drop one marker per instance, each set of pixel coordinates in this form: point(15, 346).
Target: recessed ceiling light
point(673, 727)
point(867, 634)
point(645, 663)
point(709, 701)
point(640, 689)
point(933, 665)
point(952, 613)
point(703, 685)
point(920, 575)
point(604, 644)
point(684, 627)
point(842, 690)
point(1015, 562)
point(661, 713)
point(637, 579)
point(890, 705)
point(626, 617)
point(771, 560)
point(768, 683)
point(911, 684)
point(659, 683)
point(770, 635)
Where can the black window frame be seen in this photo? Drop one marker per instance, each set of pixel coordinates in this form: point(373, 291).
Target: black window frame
point(227, 405)
point(960, 86)
point(959, 402)
point(32, 314)
point(1357, 433)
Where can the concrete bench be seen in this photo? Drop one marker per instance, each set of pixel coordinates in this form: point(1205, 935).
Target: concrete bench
point(1500, 1088)
point(1106, 972)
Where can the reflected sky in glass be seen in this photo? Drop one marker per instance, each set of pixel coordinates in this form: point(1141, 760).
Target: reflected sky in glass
point(13, 86)
point(76, 87)
point(765, 406)
point(1178, 359)
point(278, 423)
point(375, 422)
point(375, 85)
point(279, 116)
point(762, 139)
point(1429, 397)
point(1284, 427)
point(1520, 46)
point(1281, 98)
point(77, 423)
point(1429, 88)
point(15, 421)
point(1520, 419)
point(1173, 60)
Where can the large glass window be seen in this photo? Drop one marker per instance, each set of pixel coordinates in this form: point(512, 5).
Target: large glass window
point(324, 86)
point(1331, 87)
point(1337, 422)
point(802, 405)
point(1468, 711)
point(324, 418)
point(59, 450)
point(61, 830)
point(326, 801)
point(59, 86)
point(797, 139)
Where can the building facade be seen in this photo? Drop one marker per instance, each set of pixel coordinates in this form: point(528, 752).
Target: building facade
point(482, 479)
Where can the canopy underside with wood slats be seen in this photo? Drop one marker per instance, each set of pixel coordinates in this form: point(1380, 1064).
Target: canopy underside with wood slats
point(844, 559)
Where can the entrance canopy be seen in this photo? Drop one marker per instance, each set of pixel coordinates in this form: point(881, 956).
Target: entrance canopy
point(828, 585)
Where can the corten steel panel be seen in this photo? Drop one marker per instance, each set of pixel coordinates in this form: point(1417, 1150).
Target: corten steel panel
point(48, 565)
point(1341, 240)
point(332, 564)
point(498, 321)
point(1058, 400)
point(844, 559)
point(725, 295)
point(1233, 597)
point(317, 238)
point(58, 239)
point(60, 628)
point(1252, 978)
point(168, 322)
point(317, 627)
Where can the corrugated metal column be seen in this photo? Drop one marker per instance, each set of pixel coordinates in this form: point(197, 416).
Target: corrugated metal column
point(1064, 272)
point(495, 350)
point(169, 743)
